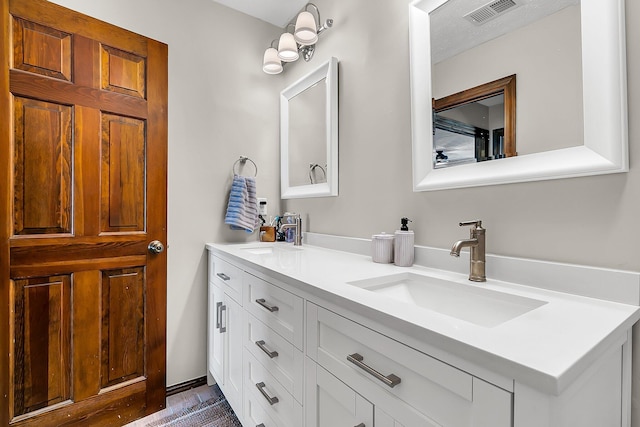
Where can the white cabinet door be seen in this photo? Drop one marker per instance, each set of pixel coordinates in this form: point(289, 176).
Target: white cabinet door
point(215, 349)
point(232, 326)
point(330, 403)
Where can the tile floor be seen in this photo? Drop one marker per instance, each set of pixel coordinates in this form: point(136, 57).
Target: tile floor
point(177, 402)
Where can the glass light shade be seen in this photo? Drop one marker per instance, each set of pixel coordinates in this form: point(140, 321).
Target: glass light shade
point(287, 48)
point(271, 63)
point(306, 32)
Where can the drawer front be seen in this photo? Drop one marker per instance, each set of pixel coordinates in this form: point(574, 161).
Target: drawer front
point(280, 310)
point(266, 391)
point(227, 276)
point(375, 365)
point(281, 358)
point(255, 414)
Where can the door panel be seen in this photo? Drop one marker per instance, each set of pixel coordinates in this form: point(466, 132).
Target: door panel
point(122, 325)
point(42, 332)
point(54, 60)
point(123, 173)
point(82, 194)
point(42, 191)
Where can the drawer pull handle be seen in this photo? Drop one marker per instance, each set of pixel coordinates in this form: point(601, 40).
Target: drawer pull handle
point(391, 380)
point(359, 425)
point(260, 425)
point(223, 329)
point(218, 315)
point(272, 400)
point(223, 276)
point(263, 303)
point(268, 352)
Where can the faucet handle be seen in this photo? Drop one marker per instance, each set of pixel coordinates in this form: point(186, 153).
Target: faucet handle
point(477, 223)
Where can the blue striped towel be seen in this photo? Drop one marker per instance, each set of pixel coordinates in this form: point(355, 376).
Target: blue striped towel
point(242, 211)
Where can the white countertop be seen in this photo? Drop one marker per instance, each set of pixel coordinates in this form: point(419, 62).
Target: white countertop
point(546, 348)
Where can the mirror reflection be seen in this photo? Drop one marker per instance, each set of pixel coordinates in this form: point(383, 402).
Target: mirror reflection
point(473, 42)
point(308, 136)
point(475, 125)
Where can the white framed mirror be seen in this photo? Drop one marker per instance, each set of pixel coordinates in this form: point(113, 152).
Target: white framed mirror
point(309, 134)
point(599, 147)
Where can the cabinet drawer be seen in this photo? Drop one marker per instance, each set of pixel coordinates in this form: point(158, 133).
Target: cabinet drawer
point(227, 276)
point(278, 309)
point(375, 365)
point(255, 414)
point(281, 358)
point(264, 390)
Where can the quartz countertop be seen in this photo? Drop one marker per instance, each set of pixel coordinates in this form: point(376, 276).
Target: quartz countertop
point(546, 348)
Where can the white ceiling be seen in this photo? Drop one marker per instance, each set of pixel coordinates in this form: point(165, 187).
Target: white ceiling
point(276, 12)
point(452, 34)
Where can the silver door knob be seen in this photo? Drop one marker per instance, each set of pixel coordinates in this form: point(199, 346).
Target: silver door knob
point(156, 247)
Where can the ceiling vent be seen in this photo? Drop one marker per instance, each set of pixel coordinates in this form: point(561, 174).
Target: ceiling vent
point(489, 11)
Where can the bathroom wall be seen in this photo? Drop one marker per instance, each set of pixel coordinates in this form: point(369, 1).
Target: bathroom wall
point(221, 106)
point(590, 220)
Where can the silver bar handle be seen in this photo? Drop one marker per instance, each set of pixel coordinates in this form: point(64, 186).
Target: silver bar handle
point(359, 425)
point(272, 400)
point(268, 352)
point(223, 276)
point(218, 317)
point(223, 329)
point(390, 380)
point(263, 303)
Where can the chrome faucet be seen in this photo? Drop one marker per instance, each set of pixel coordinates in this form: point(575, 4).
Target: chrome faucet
point(297, 226)
point(476, 244)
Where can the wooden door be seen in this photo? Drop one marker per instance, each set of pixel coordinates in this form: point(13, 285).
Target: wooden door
point(83, 152)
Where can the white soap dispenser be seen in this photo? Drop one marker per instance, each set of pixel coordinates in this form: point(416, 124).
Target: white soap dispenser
point(403, 245)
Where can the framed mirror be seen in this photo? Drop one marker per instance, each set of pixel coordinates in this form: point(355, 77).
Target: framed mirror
point(587, 134)
point(309, 134)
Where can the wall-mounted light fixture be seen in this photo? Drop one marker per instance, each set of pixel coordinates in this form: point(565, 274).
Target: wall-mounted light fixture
point(307, 26)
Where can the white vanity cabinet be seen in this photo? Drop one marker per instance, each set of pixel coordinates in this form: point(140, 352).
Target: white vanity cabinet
point(225, 316)
point(292, 344)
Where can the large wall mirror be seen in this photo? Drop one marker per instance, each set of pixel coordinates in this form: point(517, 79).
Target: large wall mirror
point(568, 60)
point(309, 134)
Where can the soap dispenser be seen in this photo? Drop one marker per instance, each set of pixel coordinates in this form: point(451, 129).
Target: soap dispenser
point(403, 245)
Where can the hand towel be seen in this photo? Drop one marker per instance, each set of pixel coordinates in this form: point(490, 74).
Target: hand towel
point(242, 211)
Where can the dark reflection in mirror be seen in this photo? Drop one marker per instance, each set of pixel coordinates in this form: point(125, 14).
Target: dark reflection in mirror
point(475, 125)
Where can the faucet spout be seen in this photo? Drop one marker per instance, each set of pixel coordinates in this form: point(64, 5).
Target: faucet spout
point(297, 226)
point(466, 243)
point(476, 245)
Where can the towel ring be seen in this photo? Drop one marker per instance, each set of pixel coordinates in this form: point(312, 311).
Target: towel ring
point(312, 168)
point(242, 160)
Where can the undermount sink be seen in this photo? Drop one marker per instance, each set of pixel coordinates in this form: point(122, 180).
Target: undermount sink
point(483, 307)
point(271, 248)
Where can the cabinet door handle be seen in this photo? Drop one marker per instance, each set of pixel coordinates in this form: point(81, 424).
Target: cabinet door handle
point(359, 425)
point(223, 329)
point(391, 380)
point(223, 276)
point(272, 400)
point(263, 303)
point(260, 425)
point(218, 321)
point(268, 352)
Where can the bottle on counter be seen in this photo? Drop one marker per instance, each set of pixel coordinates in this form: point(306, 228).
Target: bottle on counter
point(403, 245)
